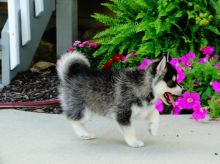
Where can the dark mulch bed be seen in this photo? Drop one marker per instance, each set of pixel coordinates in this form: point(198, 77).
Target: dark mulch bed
point(33, 86)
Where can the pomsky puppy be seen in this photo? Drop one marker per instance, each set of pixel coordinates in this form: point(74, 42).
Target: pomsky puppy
point(121, 95)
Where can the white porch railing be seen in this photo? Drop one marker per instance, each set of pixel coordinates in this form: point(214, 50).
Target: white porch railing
point(27, 20)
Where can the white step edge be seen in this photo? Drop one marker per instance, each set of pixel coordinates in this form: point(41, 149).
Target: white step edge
point(1, 49)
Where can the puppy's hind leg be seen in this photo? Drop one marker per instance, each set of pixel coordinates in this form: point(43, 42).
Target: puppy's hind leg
point(123, 119)
point(78, 117)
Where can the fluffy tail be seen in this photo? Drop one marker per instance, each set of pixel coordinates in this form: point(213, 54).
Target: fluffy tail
point(66, 64)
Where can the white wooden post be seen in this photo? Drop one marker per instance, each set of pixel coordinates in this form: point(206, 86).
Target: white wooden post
point(39, 7)
point(25, 21)
point(13, 17)
point(66, 24)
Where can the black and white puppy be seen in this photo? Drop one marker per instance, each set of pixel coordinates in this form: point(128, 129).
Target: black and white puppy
point(121, 95)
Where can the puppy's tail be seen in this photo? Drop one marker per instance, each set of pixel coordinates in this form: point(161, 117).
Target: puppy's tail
point(70, 64)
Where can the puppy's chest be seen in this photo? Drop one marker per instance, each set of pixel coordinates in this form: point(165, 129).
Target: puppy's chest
point(141, 110)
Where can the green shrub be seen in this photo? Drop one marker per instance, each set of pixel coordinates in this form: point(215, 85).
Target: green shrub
point(150, 27)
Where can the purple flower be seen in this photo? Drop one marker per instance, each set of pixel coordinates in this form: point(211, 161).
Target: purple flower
point(208, 50)
point(176, 110)
point(217, 66)
point(190, 55)
point(174, 62)
point(189, 100)
point(219, 101)
point(215, 57)
point(187, 59)
point(76, 43)
point(123, 58)
point(71, 49)
point(144, 64)
point(159, 105)
point(93, 45)
point(199, 113)
point(216, 86)
point(180, 74)
point(204, 59)
point(133, 54)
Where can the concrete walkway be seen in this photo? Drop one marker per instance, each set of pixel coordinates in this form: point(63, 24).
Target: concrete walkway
point(34, 138)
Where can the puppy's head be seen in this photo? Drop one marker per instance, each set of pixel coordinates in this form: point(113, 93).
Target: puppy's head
point(165, 80)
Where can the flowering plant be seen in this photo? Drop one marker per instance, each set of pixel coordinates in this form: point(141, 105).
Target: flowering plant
point(201, 78)
point(87, 48)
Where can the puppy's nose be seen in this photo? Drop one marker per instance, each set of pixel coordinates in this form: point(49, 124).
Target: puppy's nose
point(183, 91)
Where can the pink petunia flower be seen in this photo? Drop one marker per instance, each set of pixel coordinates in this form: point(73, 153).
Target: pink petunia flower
point(93, 45)
point(159, 105)
point(199, 113)
point(174, 62)
point(219, 101)
point(176, 110)
point(187, 59)
point(190, 55)
point(133, 54)
point(204, 59)
point(217, 66)
point(180, 74)
point(216, 86)
point(76, 43)
point(189, 100)
point(208, 50)
point(215, 57)
point(144, 64)
point(71, 49)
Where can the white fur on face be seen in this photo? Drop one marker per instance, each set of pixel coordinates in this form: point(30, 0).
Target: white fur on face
point(161, 87)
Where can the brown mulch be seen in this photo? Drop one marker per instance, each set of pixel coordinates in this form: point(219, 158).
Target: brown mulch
point(33, 86)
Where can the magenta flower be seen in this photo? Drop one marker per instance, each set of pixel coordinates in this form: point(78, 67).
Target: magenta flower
point(159, 105)
point(71, 49)
point(199, 113)
point(189, 100)
point(216, 86)
point(174, 62)
point(144, 64)
point(208, 50)
point(187, 59)
point(133, 54)
point(76, 43)
point(190, 55)
point(180, 74)
point(217, 66)
point(204, 59)
point(176, 110)
point(215, 57)
point(219, 101)
point(93, 45)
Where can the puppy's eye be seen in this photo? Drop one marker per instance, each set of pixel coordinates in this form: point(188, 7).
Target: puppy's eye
point(171, 84)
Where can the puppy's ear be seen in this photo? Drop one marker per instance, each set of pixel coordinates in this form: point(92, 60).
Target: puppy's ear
point(161, 66)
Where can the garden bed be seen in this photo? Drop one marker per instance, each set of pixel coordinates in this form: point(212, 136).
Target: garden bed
point(33, 86)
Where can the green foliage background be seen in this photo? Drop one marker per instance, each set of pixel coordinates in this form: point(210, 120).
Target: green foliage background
point(150, 27)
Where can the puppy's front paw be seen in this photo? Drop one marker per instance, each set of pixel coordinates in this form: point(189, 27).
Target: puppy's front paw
point(153, 129)
point(136, 143)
